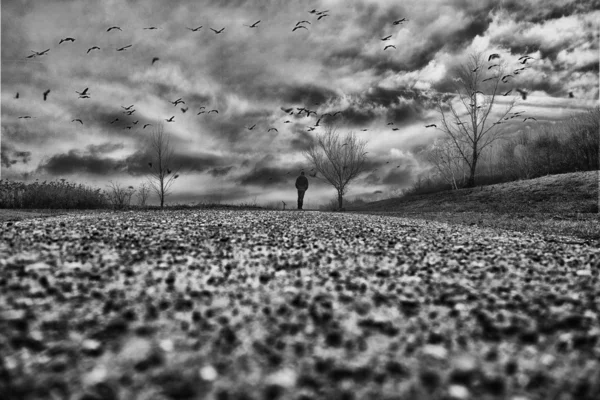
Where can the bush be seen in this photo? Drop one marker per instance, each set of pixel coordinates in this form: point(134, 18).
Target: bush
point(55, 195)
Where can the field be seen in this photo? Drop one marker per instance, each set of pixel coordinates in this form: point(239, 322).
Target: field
point(238, 304)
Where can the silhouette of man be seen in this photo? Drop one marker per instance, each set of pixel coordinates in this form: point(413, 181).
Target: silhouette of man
point(302, 186)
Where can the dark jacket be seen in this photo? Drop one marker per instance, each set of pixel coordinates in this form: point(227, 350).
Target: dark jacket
point(302, 183)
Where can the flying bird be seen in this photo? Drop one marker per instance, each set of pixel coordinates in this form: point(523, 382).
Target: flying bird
point(388, 46)
point(170, 119)
point(395, 129)
point(168, 171)
point(201, 112)
point(124, 47)
point(127, 108)
point(399, 21)
point(217, 32)
point(390, 123)
point(310, 129)
point(194, 29)
point(93, 48)
point(25, 117)
point(507, 93)
point(17, 95)
point(175, 102)
point(386, 38)
point(152, 28)
point(506, 77)
point(529, 118)
point(41, 53)
point(298, 27)
point(323, 16)
point(272, 129)
point(127, 127)
point(287, 110)
point(183, 110)
point(431, 125)
point(523, 93)
point(213, 111)
point(129, 112)
point(69, 39)
point(303, 22)
point(82, 93)
point(493, 56)
point(146, 126)
point(252, 127)
point(155, 59)
point(114, 120)
point(150, 164)
point(46, 93)
point(319, 120)
point(488, 79)
point(114, 27)
point(364, 130)
point(571, 95)
point(135, 122)
point(475, 69)
point(77, 120)
point(253, 25)
point(492, 66)
point(287, 121)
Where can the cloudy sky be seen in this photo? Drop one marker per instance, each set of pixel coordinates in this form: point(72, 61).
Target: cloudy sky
point(338, 63)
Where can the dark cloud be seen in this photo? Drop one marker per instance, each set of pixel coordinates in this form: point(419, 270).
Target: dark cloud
point(399, 176)
point(267, 176)
point(75, 162)
point(10, 156)
point(220, 171)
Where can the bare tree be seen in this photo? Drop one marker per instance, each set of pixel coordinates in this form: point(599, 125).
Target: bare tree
point(447, 161)
point(337, 160)
point(118, 196)
point(466, 118)
point(162, 174)
point(143, 193)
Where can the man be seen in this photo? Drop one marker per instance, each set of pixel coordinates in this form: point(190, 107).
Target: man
point(301, 185)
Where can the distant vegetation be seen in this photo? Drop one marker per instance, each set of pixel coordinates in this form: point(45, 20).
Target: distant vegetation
point(568, 146)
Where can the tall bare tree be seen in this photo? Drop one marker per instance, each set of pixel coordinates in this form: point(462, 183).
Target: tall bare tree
point(337, 160)
point(467, 117)
point(162, 174)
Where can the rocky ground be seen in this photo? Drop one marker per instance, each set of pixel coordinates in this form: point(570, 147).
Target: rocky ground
point(293, 305)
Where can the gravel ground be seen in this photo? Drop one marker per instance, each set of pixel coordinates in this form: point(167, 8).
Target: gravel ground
point(293, 305)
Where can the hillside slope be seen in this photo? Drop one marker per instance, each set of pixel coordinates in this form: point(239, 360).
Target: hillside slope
point(557, 194)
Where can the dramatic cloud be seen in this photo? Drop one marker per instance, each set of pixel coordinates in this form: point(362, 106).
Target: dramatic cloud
point(250, 147)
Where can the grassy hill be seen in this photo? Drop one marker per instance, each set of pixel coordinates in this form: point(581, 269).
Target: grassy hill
point(565, 204)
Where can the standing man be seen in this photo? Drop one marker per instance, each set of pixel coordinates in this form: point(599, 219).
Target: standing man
point(301, 185)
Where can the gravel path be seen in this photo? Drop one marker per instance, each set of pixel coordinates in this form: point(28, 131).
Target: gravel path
point(293, 305)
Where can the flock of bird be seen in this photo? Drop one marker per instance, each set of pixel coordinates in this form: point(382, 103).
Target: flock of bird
point(303, 24)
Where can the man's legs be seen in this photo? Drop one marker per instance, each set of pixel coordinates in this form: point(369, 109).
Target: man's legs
point(300, 199)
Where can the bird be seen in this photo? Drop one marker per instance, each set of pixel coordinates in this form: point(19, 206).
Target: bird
point(493, 56)
point(127, 127)
point(26, 117)
point(31, 55)
point(322, 12)
point(488, 79)
point(519, 69)
point(124, 47)
point(129, 112)
point(69, 39)
point(114, 27)
point(507, 93)
point(390, 123)
point(287, 121)
point(431, 125)
point(41, 53)
point(523, 93)
point(155, 59)
point(298, 27)
point(217, 32)
point(313, 11)
point(506, 77)
point(287, 110)
point(135, 122)
point(529, 118)
point(146, 126)
point(82, 93)
point(93, 48)
point(272, 129)
point(525, 60)
point(170, 119)
point(319, 120)
point(322, 16)
point(253, 25)
point(201, 112)
point(571, 95)
point(127, 108)
point(303, 22)
point(183, 110)
point(46, 93)
point(194, 29)
point(398, 21)
point(475, 69)
point(310, 129)
point(395, 129)
point(252, 127)
point(388, 46)
point(526, 56)
point(364, 130)
point(492, 66)
point(114, 120)
point(308, 112)
point(176, 176)
point(386, 38)
point(168, 171)
point(17, 95)
point(213, 111)
point(84, 97)
point(150, 164)
point(152, 28)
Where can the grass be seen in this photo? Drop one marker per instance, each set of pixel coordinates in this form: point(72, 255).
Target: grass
point(555, 205)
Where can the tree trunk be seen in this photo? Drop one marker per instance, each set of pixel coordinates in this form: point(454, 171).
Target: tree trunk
point(471, 181)
point(339, 199)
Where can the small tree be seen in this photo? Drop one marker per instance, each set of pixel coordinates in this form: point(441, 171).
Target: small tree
point(162, 174)
point(447, 161)
point(118, 196)
point(338, 160)
point(143, 193)
point(465, 117)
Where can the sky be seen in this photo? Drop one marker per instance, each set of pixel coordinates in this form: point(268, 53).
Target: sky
point(249, 74)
